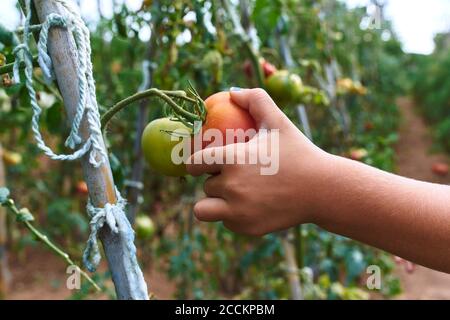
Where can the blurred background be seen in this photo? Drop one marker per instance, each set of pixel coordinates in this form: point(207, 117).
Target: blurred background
point(376, 88)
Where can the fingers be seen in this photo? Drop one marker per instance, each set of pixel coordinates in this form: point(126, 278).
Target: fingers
point(241, 228)
point(211, 209)
point(261, 107)
point(205, 161)
point(213, 186)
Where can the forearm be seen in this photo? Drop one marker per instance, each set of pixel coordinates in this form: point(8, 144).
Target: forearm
point(406, 217)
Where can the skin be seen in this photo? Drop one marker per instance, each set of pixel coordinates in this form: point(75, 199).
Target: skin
point(406, 217)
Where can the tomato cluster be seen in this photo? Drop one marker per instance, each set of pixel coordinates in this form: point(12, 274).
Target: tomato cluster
point(286, 88)
point(162, 135)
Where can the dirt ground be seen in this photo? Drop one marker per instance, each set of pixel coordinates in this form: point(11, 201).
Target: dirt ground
point(414, 160)
point(40, 275)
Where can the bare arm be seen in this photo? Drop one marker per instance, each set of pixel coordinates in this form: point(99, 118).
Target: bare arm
point(406, 217)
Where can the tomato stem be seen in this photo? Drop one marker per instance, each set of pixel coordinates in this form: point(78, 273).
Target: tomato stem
point(20, 214)
point(255, 62)
point(162, 94)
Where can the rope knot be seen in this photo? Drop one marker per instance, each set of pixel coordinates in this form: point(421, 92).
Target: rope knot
point(113, 215)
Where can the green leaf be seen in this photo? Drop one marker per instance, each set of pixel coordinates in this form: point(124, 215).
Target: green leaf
point(24, 215)
point(4, 195)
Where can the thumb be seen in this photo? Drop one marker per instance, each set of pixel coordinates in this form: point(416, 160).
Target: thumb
point(260, 106)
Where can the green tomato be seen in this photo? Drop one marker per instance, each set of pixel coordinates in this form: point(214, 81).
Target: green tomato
point(145, 228)
point(159, 139)
point(284, 87)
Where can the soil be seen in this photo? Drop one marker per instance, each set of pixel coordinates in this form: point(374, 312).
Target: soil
point(37, 274)
point(415, 160)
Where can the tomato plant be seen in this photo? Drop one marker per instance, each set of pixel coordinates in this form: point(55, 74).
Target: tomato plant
point(195, 41)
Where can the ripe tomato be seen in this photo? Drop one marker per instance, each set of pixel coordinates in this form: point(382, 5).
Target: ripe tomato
point(82, 188)
point(223, 114)
point(284, 87)
point(266, 66)
point(158, 141)
point(369, 126)
point(144, 227)
point(440, 168)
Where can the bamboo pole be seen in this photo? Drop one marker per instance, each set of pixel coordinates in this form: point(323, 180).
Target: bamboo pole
point(99, 180)
point(3, 262)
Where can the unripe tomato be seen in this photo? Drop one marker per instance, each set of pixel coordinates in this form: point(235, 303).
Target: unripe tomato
point(158, 141)
point(284, 87)
point(358, 89)
point(344, 85)
point(144, 227)
point(347, 85)
point(358, 154)
point(213, 62)
point(12, 158)
point(223, 114)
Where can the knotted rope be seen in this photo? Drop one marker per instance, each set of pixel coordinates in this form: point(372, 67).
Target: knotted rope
point(112, 214)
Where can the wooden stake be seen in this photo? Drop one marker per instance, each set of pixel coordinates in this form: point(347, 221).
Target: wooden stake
point(99, 180)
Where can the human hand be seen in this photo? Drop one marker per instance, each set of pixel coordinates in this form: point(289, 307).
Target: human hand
point(248, 198)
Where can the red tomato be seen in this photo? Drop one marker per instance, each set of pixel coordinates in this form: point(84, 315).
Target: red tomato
point(369, 126)
point(266, 66)
point(439, 168)
point(223, 114)
point(82, 188)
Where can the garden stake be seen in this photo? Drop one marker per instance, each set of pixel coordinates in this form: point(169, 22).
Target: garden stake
point(67, 40)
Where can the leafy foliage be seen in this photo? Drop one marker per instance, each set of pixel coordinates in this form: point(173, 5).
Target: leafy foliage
point(431, 80)
point(325, 39)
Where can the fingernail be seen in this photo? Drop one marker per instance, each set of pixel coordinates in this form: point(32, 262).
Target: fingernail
point(235, 89)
